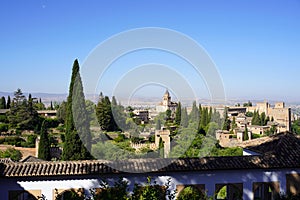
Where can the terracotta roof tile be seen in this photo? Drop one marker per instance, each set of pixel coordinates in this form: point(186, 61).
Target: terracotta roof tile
point(282, 152)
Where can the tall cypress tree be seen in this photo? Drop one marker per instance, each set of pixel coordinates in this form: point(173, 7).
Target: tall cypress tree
point(184, 118)
point(44, 145)
point(178, 114)
point(194, 115)
point(2, 103)
point(75, 147)
point(8, 102)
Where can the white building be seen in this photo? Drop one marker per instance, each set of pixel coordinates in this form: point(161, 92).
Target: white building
point(268, 169)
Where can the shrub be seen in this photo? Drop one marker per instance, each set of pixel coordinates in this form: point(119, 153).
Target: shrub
point(191, 193)
point(11, 153)
point(3, 127)
point(3, 119)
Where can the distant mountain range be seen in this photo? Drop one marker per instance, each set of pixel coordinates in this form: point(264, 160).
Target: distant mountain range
point(48, 97)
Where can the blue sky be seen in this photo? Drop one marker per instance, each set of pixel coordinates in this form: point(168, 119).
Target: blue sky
point(254, 44)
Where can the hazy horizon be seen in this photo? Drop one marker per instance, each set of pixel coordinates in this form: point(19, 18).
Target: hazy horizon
point(253, 44)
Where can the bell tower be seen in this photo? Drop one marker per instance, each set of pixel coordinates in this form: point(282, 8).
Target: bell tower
point(166, 98)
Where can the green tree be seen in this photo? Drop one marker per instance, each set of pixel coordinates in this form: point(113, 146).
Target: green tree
point(248, 104)
point(233, 124)
point(194, 115)
point(75, 147)
point(11, 153)
point(22, 114)
point(256, 118)
point(51, 106)
point(245, 135)
point(39, 105)
point(104, 114)
point(2, 103)
point(168, 114)
point(226, 123)
point(158, 125)
point(91, 113)
point(178, 114)
point(44, 145)
point(184, 118)
point(61, 112)
point(161, 148)
point(8, 102)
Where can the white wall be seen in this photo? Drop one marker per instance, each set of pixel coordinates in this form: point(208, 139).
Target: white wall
point(180, 178)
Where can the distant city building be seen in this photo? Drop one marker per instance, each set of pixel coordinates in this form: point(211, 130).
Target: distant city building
point(143, 115)
point(47, 113)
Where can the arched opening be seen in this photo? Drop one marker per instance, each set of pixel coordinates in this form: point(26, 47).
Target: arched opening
point(191, 192)
point(229, 191)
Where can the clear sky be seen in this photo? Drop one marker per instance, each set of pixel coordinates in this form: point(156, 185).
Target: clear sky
point(254, 44)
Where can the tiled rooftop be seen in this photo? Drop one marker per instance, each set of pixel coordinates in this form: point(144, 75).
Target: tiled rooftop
point(282, 152)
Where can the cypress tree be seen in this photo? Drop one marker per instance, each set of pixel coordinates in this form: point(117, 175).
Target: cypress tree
point(51, 106)
point(161, 148)
point(245, 135)
point(8, 102)
point(226, 123)
point(158, 125)
point(75, 147)
point(184, 118)
point(194, 115)
point(104, 114)
point(44, 145)
point(2, 103)
point(178, 114)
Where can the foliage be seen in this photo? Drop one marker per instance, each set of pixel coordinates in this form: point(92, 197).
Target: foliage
point(51, 123)
point(91, 112)
point(3, 128)
point(149, 191)
point(70, 194)
point(184, 118)
point(61, 112)
point(259, 119)
point(3, 119)
point(44, 145)
point(8, 102)
point(245, 134)
point(120, 138)
point(248, 104)
point(22, 114)
point(14, 140)
point(194, 115)
point(105, 115)
point(178, 114)
point(117, 192)
point(296, 127)
point(233, 124)
point(158, 125)
point(11, 153)
point(2, 103)
point(249, 114)
point(75, 147)
point(30, 141)
point(226, 123)
point(192, 193)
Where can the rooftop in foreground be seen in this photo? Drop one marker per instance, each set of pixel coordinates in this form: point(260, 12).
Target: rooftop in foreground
point(282, 151)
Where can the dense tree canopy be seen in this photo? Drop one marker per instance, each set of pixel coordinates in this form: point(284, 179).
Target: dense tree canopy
point(22, 114)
